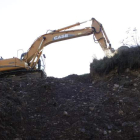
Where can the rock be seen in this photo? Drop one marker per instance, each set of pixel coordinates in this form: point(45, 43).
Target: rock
point(116, 86)
point(134, 89)
point(82, 130)
point(105, 132)
point(119, 131)
point(127, 70)
point(97, 129)
point(65, 113)
point(109, 127)
point(135, 84)
point(91, 108)
point(121, 112)
point(121, 101)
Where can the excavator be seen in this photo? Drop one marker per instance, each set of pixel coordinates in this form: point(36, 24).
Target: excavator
point(30, 59)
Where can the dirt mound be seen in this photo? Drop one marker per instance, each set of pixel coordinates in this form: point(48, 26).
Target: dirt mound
point(71, 108)
point(102, 105)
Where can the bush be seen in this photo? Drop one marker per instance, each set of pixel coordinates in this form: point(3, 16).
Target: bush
point(130, 58)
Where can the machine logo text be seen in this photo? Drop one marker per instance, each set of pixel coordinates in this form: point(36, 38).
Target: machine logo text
point(62, 36)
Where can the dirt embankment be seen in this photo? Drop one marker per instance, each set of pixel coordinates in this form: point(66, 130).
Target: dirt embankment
point(72, 108)
point(102, 105)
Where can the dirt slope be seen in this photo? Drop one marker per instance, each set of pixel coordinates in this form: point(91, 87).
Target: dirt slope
point(72, 108)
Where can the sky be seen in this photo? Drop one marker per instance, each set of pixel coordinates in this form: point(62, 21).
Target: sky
point(23, 21)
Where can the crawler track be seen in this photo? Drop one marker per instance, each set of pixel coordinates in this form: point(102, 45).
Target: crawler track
point(22, 73)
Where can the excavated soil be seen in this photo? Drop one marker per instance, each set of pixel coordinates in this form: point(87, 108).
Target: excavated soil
point(71, 108)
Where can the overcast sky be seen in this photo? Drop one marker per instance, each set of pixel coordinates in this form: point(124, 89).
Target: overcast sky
point(22, 21)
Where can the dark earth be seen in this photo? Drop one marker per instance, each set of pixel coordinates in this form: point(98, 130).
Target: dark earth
point(71, 108)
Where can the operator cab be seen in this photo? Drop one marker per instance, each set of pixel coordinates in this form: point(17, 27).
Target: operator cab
point(1, 58)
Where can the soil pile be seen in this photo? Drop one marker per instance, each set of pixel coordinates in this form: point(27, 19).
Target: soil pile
point(103, 105)
point(71, 108)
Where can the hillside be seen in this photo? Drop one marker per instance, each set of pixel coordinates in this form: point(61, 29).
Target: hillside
point(85, 107)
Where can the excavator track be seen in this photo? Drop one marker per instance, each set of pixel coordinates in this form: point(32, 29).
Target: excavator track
point(22, 74)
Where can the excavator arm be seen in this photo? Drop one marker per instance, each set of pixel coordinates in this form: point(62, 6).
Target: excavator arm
point(33, 54)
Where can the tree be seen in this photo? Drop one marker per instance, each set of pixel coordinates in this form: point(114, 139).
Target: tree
point(132, 38)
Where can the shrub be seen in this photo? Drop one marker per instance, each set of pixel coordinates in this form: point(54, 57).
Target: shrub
point(130, 58)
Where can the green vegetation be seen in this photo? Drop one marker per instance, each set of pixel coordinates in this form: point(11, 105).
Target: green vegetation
point(128, 58)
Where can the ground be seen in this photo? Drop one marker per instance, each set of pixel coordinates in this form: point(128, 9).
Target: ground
point(71, 108)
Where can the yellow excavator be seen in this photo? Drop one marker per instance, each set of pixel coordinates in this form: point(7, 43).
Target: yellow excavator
point(30, 59)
